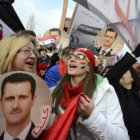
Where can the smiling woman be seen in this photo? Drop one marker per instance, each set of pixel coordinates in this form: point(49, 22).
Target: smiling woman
point(17, 52)
point(98, 109)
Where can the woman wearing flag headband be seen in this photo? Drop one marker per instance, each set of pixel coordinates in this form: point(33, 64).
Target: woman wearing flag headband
point(86, 105)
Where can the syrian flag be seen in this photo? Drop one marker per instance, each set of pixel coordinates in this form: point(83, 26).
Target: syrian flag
point(46, 40)
point(61, 127)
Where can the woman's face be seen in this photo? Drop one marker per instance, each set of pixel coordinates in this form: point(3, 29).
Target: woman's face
point(25, 59)
point(78, 64)
point(126, 78)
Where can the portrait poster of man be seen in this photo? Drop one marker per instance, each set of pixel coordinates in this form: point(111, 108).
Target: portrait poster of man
point(25, 106)
point(108, 44)
point(124, 17)
point(62, 37)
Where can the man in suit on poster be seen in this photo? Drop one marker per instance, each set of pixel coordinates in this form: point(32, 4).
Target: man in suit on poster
point(106, 57)
point(109, 38)
point(56, 32)
point(17, 99)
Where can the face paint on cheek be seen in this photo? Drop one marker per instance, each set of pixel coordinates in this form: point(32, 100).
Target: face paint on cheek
point(83, 65)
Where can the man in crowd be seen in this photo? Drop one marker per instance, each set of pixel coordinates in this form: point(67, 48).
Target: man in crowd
point(43, 62)
point(43, 57)
point(29, 33)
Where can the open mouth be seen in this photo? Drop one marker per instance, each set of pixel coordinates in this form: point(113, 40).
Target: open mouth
point(30, 63)
point(72, 66)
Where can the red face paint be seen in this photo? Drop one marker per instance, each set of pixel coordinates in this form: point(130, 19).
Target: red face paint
point(82, 63)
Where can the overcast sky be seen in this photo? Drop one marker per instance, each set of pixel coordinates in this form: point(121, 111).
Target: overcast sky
point(47, 13)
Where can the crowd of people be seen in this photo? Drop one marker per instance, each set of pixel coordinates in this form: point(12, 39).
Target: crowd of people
point(104, 101)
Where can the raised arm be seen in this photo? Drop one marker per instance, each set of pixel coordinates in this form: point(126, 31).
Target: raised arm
point(115, 73)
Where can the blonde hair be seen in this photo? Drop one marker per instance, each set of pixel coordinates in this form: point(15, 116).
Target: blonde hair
point(9, 47)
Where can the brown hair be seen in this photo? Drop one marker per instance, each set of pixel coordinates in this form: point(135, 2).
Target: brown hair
point(136, 78)
point(28, 33)
point(55, 29)
point(111, 30)
point(89, 85)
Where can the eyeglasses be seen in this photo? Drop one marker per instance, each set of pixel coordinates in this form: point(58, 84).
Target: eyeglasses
point(29, 52)
point(78, 57)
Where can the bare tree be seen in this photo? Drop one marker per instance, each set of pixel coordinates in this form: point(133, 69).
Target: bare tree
point(31, 23)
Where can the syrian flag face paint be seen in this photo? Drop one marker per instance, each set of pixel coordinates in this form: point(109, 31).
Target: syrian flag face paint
point(83, 65)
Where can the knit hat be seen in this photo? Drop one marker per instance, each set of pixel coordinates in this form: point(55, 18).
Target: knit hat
point(89, 55)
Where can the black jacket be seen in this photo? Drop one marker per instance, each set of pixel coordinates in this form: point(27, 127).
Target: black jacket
point(129, 99)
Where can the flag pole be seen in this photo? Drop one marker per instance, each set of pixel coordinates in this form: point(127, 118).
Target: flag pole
point(64, 12)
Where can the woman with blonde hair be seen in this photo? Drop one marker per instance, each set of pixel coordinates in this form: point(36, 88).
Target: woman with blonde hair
point(17, 52)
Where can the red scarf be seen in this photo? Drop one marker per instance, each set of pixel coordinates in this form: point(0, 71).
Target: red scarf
point(1, 35)
point(62, 68)
point(70, 93)
point(61, 127)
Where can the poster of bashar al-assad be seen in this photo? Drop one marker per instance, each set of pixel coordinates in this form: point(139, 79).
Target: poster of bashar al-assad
point(54, 40)
point(62, 37)
point(121, 15)
point(25, 106)
point(108, 44)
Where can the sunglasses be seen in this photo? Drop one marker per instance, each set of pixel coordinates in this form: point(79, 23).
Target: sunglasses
point(78, 57)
